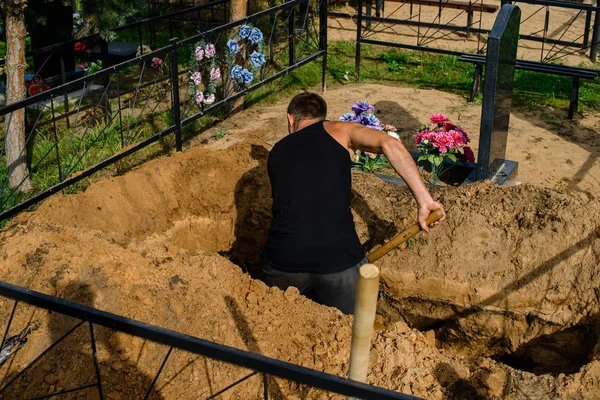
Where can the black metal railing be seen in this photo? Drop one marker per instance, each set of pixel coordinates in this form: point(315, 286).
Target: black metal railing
point(112, 114)
point(261, 366)
point(423, 33)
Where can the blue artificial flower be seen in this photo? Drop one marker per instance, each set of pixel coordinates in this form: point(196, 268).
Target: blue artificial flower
point(348, 117)
point(257, 59)
point(236, 72)
point(362, 106)
point(233, 46)
point(245, 31)
point(247, 77)
point(256, 35)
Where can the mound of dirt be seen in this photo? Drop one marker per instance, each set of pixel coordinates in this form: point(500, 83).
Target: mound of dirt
point(511, 265)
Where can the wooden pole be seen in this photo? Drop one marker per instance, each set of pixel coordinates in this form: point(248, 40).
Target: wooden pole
point(364, 318)
point(403, 237)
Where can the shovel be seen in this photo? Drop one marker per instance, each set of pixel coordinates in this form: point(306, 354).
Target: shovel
point(402, 237)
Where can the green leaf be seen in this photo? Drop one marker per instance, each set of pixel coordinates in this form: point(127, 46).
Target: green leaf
point(422, 158)
point(438, 161)
point(452, 157)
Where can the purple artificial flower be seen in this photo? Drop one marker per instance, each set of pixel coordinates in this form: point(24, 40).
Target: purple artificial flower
point(362, 106)
point(215, 74)
point(196, 78)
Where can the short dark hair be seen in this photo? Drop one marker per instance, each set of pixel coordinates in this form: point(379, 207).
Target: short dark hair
point(308, 105)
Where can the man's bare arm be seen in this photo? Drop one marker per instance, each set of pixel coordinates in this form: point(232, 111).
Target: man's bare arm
point(368, 139)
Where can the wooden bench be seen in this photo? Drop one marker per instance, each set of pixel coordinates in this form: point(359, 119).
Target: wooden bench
point(575, 73)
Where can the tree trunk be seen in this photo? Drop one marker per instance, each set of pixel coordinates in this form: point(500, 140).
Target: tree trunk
point(238, 9)
point(16, 155)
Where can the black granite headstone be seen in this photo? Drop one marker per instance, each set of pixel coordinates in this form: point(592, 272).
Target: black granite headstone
point(497, 94)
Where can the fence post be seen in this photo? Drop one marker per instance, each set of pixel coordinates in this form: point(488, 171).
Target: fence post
point(586, 29)
point(175, 94)
point(358, 34)
point(323, 37)
point(595, 36)
point(292, 36)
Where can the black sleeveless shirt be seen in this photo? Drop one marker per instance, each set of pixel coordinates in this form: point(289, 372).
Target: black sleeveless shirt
point(312, 229)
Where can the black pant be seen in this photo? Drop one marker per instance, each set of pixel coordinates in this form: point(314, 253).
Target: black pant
point(335, 290)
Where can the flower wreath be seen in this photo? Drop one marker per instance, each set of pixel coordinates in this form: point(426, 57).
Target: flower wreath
point(200, 80)
point(247, 44)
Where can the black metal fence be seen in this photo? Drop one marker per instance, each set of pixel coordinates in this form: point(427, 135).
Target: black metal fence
point(89, 319)
point(459, 27)
point(65, 61)
point(109, 115)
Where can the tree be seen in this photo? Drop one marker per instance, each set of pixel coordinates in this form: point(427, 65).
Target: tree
point(101, 15)
point(14, 141)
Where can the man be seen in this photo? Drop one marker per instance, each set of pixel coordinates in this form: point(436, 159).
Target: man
point(312, 243)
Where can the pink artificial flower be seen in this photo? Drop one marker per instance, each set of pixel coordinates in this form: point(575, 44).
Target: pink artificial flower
point(199, 98)
point(82, 67)
point(79, 46)
point(448, 126)
point(443, 141)
point(157, 62)
point(199, 53)
point(468, 155)
point(209, 99)
point(438, 119)
point(457, 137)
point(34, 89)
point(46, 86)
point(197, 78)
point(210, 50)
point(390, 128)
point(215, 74)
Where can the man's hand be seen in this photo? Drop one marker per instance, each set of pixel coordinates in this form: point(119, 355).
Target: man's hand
point(426, 209)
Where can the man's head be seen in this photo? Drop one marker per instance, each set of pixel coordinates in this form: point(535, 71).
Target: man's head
point(306, 106)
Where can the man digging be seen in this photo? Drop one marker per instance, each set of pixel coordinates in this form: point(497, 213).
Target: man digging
point(312, 242)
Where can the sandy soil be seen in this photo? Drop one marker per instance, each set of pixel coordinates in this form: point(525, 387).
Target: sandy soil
point(563, 24)
point(499, 302)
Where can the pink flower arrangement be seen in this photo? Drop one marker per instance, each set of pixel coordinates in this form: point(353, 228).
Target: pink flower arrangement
point(215, 74)
point(209, 99)
point(438, 119)
point(199, 53)
point(210, 50)
point(443, 140)
point(197, 78)
point(157, 63)
point(199, 98)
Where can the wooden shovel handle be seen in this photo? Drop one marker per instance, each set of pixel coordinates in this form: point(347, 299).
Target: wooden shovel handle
point(403, 237)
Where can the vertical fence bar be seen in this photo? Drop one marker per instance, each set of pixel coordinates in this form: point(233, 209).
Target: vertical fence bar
point(266, 386)
point(323, 44)
point(595, 36)
point(358, 35)
point(546, 23)
point(162, 365)
point(60, 176)
point(586, 29)
point(175, 94)
point(9, 323)
point(292, 37)
point(63, 74)
point(96, 365)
